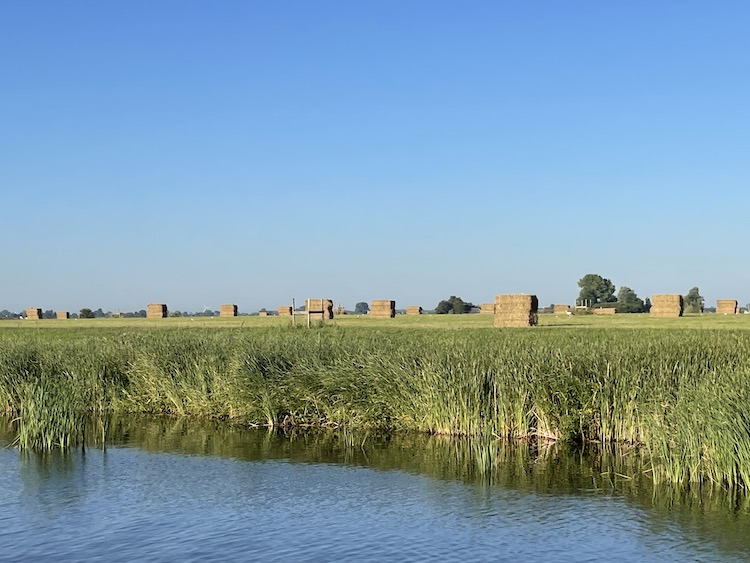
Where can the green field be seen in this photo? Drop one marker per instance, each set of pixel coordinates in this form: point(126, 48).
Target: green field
point(448, 322)
point(677, 389)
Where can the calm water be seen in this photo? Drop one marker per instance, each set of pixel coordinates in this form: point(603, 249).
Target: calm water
point(178, 491)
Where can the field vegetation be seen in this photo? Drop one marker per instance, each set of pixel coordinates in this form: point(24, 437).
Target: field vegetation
point(675, 389)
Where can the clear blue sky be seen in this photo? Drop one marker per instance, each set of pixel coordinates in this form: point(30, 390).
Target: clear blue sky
point(199, 153)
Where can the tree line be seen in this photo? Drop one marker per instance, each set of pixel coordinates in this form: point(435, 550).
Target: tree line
point(597, 291)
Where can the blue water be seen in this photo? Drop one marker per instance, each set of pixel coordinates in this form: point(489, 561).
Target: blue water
point(139, 501)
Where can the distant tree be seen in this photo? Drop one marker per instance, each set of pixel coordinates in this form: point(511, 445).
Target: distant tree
point(453, 305)
point(175, 314)
point(86, 313)
point(361, 308)
point(693, 301)
point(99, 314)
point(596, 289)
point(443, 308)
point(49, 314)
point(141, 313)
point(628, 301)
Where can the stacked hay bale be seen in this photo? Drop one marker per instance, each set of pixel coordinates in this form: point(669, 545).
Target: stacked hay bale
point(726, 306)
point(228, 310)
point(324, 305)
point(669, 305)
point(487, 309)
point(156, 311)
point(382, 309)
point(284, 311)
point(561, 309)
point(516, 310)
point(414, 310)
point(604, 310)
point(62, 315)
point(262, 313)
point(33, 313)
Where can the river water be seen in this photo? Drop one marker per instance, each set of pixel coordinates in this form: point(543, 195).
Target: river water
point(171, 490)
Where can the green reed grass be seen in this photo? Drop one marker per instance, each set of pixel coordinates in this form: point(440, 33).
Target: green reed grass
point(681, 395)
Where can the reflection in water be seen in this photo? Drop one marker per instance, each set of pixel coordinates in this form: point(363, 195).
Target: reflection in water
point(503, 485)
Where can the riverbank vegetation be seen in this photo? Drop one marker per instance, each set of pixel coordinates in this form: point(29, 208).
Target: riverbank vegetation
point(678, 395)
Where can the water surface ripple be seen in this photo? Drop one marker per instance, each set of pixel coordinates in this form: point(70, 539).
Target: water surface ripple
point(148, 499)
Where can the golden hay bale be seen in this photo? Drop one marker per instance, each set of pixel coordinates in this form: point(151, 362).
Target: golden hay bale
point(156, 311)
point(726, 307)
point(560, 309)
point(604, 311)
point(516, 310)
point(34, 313)
point(62, 315)
point(487, 309)
point(262, 313)
point(382, 309)
point(414, 310)
point(284, 311)
point(667, 305)
point(228, 310)
point(319, 309)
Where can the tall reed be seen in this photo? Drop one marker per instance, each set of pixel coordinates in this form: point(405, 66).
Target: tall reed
point(679, 394)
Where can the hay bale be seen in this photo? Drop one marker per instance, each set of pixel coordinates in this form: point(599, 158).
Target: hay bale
point(487, 309)
point(284, 311)
point(516, 310)
point(156, 311)
point(319, 309)
point(667, 305)
point(414, 310)
point(382, 309)
point(726, 307)
point(62, 315)
point(560, 309)
point(604, 310)
point(228, 310)
point(262, 313)
point(34, 313)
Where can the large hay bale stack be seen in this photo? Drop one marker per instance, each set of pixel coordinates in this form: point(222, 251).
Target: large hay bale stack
point(487, 309)
point(668, 305)
point(382, 309)
point(34, 313)
point(560, 309)
point(228, 310)
point(262, 313)
point(604, 310)
point(516, 310)
point(156, 311)
point(726, 306)
point(414, 310)
point(62, 315)
point(319, 309)
point(284, 311)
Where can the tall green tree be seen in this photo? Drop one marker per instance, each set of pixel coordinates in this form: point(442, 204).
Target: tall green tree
point(361, 308)
point(693, 301)
point(628, 301)
point(86, 313)
point(596, 289)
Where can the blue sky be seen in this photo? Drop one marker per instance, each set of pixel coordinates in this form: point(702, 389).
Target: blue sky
point(199, 153)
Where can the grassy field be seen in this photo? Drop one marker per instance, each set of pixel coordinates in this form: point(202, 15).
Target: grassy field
point(677, 388)
point(447, 322)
